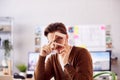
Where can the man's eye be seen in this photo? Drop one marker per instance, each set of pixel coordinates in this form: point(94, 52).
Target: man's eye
point(59, 38)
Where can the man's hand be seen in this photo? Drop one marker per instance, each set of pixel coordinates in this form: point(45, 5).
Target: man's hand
point(46, 50)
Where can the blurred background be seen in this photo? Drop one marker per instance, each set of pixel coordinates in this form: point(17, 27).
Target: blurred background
point(30, 17)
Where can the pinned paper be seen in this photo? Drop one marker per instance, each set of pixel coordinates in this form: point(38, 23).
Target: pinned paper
point(76, 30)
point(71, 29)
point(83, 46)
point(76, 36)
point(102, 27)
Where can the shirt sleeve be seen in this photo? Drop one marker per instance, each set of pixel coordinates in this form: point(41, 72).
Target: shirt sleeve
point(82, 70)
point(43, 70)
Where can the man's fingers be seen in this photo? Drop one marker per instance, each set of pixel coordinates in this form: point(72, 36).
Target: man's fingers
point(47, 49)
point(49, 43)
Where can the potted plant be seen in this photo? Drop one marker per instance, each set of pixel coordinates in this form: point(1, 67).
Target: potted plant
point(7, 48)
point(6, 61)
point(22, 68)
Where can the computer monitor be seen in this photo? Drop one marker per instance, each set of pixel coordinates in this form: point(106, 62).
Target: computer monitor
point(32, 60)
point(101, 60)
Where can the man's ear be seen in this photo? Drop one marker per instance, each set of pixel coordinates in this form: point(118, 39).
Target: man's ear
point(67, 36)
point(66, 40)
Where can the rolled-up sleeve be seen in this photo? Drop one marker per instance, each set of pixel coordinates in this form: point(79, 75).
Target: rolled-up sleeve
point(43, 70)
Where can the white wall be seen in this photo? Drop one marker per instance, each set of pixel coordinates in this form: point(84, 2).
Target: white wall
point(30, 13)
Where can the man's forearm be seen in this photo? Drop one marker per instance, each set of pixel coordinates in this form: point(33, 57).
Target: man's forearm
point(40, 69)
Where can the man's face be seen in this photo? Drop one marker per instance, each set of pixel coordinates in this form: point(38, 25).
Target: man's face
point(57, 39)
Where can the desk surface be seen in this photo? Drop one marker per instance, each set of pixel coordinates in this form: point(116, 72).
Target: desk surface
point(6, 77)
point(9, 77)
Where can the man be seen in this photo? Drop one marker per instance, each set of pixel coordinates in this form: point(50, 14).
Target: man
point(68, 63)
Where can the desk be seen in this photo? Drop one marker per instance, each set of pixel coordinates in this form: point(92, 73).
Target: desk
point(9, 77)
point(6, 77)
point(25, 79)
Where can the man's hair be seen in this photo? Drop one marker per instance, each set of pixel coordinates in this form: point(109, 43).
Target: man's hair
point(55, 27)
